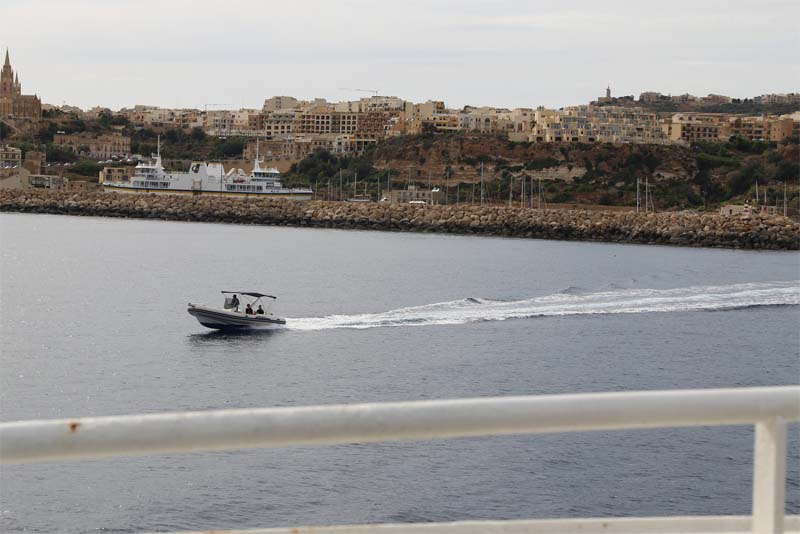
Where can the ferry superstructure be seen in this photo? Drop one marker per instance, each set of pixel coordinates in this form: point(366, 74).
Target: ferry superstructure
point(207, 179)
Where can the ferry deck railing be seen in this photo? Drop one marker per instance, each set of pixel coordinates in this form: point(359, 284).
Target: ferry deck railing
point(769, 409)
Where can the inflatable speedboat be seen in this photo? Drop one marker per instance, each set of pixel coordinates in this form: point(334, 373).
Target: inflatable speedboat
point(237, 315)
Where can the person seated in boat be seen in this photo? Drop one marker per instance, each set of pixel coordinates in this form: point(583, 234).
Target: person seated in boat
point(248, 310)
point(260, 310)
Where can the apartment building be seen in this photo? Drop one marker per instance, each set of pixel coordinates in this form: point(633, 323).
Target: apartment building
point(778, 98)
point(278, 103)
point(604, 124)
point(280, 123)
point(10, 157)
point(116, 174)
point(382, 103)
point(692, 127)
point(713, 99)
point(439, 122)
point(425, 109)
point(317, 120)
point(344, 123)
point(375, 125)
point(242, 119)
point(218, 122)
point(96, 146)
point(482, 120)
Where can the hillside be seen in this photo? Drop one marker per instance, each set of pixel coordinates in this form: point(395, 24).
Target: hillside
point(679, 177)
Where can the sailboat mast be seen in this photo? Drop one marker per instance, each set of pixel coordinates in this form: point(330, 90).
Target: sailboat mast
point(784, 199)
point(481, 183)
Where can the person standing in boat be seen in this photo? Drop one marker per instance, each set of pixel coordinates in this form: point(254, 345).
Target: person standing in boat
point(235, 303)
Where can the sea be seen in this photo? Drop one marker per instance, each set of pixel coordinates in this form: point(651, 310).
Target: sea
point(94, 323)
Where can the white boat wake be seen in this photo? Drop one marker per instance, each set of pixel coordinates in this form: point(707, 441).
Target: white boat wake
point(567, 302)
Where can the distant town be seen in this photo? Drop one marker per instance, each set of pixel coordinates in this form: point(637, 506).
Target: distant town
point(41, 141)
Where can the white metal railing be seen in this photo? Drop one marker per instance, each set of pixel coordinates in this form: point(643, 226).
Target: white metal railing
point(768, 408)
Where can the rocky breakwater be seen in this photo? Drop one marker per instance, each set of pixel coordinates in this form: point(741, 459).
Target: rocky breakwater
point(669, 228)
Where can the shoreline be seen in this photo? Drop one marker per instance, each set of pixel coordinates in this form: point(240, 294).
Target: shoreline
point(756, 232)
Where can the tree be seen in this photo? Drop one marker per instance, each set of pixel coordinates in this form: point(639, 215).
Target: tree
point(197, 134)
point(87, 167)
point(228, 148)
point(743, 179)
point(58, 154)
point(787, 171)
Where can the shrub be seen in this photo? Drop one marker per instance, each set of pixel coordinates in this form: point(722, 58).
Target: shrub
point(709, 161)
point(539, 164)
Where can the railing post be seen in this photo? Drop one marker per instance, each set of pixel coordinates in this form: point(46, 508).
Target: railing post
point(769, 476)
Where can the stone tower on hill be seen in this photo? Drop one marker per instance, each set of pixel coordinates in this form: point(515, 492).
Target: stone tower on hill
point(12, 102)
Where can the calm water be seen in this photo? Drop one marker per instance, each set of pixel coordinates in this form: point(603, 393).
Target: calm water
point(94, 323)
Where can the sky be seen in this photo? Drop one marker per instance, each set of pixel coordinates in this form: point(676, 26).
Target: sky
point(504, 53)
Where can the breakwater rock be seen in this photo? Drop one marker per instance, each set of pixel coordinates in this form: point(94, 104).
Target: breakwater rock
point(669, 228)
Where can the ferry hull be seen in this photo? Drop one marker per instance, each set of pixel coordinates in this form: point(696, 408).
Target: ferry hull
point(229, 320)
point(235, 194)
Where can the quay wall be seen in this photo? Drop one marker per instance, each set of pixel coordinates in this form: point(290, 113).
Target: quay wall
point(669, 228)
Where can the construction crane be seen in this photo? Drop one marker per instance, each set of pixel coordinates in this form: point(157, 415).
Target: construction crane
point(373, 91)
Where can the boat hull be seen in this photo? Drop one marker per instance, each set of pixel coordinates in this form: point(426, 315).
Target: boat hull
point(230, 320)
point(289, 195)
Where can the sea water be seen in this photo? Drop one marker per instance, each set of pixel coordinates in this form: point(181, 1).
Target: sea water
point(94, 322)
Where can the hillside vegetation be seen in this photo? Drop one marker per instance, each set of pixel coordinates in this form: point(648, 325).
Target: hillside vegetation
point(702, 175)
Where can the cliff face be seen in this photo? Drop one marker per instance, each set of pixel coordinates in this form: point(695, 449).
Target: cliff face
point(675, 228)
point(462, 156)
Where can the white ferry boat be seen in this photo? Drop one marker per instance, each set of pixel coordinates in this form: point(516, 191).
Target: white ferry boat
point(207, 179)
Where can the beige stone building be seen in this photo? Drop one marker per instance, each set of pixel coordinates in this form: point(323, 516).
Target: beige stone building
point(426, 109)
point(35, 161)
point(12, 102)
point(280, 123)
point(97, 146)
point(778, 98)
point(597, 124)
point(692, 127)
point(116, 174)
point(10, 158)
point(277, 103)
point(440, 122)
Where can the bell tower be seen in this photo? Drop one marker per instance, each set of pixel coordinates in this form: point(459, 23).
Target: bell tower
point(7, 85)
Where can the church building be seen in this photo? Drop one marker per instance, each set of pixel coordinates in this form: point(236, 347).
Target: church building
point(12, 102)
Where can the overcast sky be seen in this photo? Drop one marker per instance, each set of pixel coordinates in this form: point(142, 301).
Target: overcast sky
point(183, 53)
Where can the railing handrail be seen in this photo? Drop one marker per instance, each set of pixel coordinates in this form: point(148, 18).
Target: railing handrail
point(137, 435)
point(768, 408)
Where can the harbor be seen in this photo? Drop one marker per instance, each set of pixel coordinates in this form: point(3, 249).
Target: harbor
point(748, 231)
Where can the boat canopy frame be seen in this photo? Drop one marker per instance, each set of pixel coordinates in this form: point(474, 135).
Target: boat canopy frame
point(249, 294)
